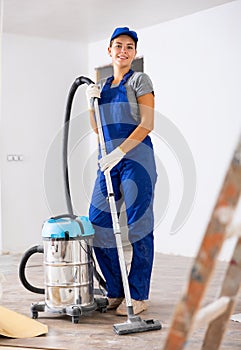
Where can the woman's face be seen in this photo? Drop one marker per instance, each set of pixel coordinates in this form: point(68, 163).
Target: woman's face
point(122, 51)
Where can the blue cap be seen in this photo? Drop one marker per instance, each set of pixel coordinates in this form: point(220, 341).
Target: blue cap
point(124, 31)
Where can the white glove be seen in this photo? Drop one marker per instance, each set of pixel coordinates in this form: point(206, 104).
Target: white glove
point(92, 91)
point(111, 159)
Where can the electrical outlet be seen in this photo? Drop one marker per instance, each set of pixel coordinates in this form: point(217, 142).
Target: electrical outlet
point(14, 157)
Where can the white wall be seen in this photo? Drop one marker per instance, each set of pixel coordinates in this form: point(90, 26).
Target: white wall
point(36, 76)
point(194, 63)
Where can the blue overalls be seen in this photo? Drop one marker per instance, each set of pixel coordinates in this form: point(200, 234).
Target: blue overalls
point(133, 180)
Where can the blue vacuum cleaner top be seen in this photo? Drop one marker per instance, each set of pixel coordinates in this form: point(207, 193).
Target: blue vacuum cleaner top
point(62, 227)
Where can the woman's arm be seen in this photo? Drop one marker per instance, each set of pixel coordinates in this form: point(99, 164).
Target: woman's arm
point(93, 121)
point(146, 107)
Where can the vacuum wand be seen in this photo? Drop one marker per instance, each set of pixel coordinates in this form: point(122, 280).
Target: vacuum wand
point(114, 215)
point(134, 323)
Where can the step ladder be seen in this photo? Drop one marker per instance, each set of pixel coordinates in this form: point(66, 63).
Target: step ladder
point(189, 314)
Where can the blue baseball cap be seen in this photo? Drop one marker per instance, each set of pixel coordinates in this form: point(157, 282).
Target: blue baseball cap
point(124, 31)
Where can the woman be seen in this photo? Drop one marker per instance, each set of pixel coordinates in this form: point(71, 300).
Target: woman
point(126, 103)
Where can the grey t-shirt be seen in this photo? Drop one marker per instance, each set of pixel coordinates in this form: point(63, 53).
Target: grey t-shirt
point(137, 85)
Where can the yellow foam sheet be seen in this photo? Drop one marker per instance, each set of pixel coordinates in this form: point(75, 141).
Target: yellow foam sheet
point(15, 325)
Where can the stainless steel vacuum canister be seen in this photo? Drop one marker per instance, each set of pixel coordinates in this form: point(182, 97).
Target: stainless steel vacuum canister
point(68, 264)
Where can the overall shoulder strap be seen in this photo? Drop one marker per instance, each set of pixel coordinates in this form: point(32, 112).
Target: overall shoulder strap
point(127, 76)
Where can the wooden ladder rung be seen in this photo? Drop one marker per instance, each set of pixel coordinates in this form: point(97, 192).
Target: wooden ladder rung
point(234, 230)
point(210, 312)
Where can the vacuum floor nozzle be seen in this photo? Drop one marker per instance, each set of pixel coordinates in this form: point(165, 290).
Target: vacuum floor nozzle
point(136, 325)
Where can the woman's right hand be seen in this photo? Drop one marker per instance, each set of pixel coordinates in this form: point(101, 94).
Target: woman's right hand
point(92, 92)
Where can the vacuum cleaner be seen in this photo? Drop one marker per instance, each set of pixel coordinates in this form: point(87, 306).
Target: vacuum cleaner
point(69, 266)
point(68, 258)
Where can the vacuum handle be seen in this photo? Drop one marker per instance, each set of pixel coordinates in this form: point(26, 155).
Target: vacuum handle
point(22, 266)
point(70, 216)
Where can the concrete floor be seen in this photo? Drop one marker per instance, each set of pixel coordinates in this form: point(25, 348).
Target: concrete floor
point(95, 331)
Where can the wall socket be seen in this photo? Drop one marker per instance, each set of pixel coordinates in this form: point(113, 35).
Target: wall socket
point(14, 157)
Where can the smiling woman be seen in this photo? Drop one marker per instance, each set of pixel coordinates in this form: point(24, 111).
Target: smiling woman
point(126, 103)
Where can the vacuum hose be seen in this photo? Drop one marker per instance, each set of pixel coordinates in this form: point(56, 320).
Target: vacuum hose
point(22, 266)
point(39, 249)
point(79, 81)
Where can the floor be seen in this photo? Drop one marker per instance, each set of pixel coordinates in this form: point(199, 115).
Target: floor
point(95, 331)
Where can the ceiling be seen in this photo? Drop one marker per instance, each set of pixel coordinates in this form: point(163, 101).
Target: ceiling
point(92, 20)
